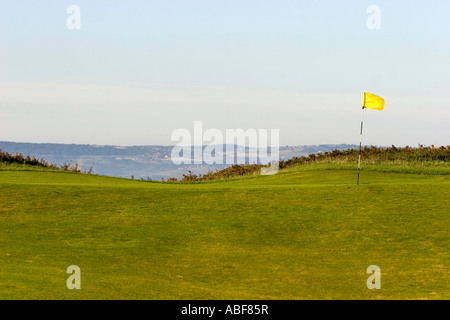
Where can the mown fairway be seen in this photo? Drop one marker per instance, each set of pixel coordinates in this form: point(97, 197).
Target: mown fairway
point(307, 233)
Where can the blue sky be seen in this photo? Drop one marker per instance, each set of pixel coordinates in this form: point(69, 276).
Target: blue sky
point(138, 70)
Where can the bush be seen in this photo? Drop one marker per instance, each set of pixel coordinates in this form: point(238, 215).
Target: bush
point(369, 154)
point(20, 159)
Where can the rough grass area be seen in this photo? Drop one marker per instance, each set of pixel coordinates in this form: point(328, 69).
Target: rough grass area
point(423, 159)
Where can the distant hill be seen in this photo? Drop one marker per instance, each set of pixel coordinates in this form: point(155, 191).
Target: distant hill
point(142, 162)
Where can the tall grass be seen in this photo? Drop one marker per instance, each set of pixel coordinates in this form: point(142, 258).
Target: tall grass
point(19, 159)
point(423, 159)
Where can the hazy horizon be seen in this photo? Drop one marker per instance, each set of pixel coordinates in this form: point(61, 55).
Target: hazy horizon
point(169, 145)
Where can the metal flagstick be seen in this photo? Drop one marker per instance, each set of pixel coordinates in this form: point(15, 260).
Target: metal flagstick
point(360, 141)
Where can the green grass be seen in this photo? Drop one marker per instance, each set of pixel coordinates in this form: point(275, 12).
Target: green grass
point(306, 233)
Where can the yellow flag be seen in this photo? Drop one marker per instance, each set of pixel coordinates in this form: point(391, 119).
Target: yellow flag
point(372, 101)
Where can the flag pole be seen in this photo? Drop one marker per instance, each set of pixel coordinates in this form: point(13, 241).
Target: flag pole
point(360, 141)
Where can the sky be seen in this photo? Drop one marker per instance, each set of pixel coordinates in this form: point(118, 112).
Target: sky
point(135, 71)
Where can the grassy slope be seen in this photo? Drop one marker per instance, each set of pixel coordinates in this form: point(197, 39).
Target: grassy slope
point(305, 233)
